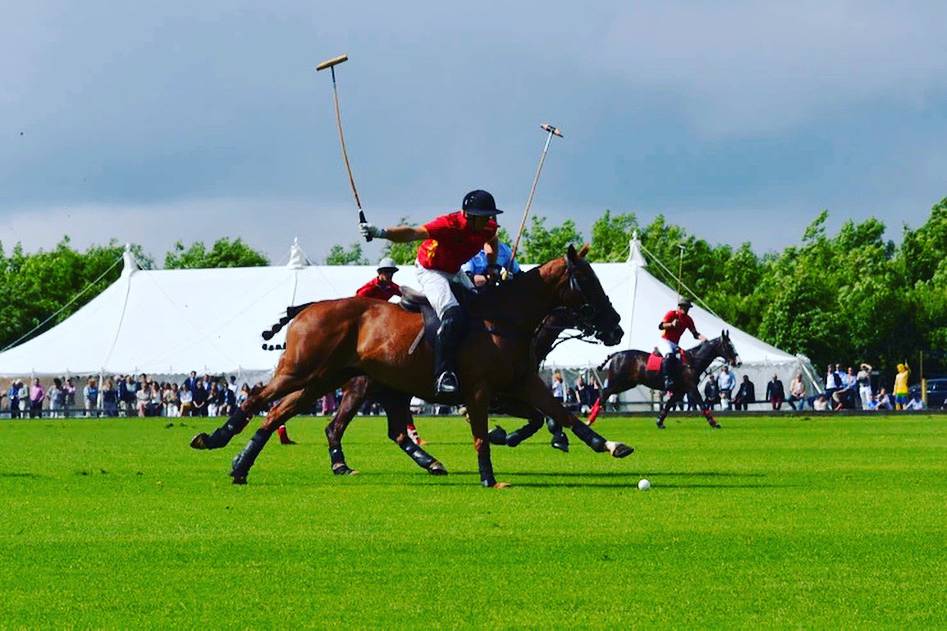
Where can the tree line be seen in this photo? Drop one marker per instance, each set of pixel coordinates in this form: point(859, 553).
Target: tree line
point(846, 297)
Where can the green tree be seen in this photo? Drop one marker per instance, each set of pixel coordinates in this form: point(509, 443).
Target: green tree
point(224, 253)
point(610, 237)
point(541, 244)
point(338, 255)
point(35, 286)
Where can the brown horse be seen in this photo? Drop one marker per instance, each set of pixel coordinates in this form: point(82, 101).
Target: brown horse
point(627, 369)
point(332, 341)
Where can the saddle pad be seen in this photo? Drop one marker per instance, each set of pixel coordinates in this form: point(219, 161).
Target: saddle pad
point(654, 362)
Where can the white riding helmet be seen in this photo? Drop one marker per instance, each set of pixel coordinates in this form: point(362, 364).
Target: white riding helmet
point(387, 263)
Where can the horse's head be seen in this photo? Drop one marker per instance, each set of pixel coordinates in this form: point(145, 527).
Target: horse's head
point(727, 350)
point(581, 290)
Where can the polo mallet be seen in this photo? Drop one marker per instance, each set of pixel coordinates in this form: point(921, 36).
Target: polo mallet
point(680, 271)
point(331, 64)
point(550, 132)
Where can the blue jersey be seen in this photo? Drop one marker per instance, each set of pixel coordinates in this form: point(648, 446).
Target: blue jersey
point(478, 264)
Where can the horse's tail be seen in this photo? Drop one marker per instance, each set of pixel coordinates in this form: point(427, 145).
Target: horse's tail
point(291, 312)
point(607, 360)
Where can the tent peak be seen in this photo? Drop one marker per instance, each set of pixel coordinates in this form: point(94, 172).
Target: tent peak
point(297, 258)
point(129, 262)
point(634, 251)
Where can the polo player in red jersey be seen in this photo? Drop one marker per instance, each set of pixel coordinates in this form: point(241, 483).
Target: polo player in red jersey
point(673, 325)
point(448, 242)
point(382, 287)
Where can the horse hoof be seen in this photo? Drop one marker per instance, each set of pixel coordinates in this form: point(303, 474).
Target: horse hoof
point(437, 469)
point(239, 479)
point(198, 441)
point(561, 443)
point(661, 425)
point(343, 470)
point(497, 436)
point(717, 426)
point(622, 451)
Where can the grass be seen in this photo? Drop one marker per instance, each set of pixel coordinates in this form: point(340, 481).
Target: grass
point(771, 522)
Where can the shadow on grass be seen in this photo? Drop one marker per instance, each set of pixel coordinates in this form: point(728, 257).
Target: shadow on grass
point(617, 474)
point(11, 474)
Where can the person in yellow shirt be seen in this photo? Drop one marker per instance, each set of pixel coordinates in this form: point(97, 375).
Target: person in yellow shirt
point(901, 386)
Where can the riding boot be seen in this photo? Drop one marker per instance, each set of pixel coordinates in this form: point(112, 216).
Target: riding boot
point(445, 351)
point(669, 368)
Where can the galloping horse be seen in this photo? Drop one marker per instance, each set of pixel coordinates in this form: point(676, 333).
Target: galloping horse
point(332, 341)
point(627, 369)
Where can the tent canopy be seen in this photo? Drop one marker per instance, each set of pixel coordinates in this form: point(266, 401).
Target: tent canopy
point(209, 320)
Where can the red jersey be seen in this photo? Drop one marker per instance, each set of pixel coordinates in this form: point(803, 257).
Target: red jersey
point(375, 289)
point(453, 242)
point(684, 323)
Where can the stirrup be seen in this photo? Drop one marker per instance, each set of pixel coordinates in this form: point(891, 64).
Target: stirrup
point(446, 383)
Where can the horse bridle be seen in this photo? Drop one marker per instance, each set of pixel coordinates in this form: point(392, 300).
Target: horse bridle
point(586, 313)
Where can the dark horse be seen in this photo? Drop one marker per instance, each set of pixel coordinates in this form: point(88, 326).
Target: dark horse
point(627, 369)
point(332, 341)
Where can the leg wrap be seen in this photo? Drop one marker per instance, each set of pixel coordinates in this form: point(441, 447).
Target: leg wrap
point(553, 426)
point(423, 458)
point(589, 436)
point(336, 456)
point(245, 459)
point(222, 435)
point(518, 436)
point(486, 466)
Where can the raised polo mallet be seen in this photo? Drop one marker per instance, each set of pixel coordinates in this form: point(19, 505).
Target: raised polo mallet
point(331, 64)
point(550, 132)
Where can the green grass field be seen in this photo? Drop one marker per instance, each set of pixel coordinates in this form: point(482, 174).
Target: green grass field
point(771, 522)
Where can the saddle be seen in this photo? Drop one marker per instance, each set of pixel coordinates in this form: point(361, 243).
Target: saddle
point(414, 301)
point(655, 360)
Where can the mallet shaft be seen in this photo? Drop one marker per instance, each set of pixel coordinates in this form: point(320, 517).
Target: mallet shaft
point(550, 132)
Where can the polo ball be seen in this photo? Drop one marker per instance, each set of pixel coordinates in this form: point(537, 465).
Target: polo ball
point(644, 484)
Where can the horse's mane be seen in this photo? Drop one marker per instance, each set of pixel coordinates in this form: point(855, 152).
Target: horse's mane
point(491, 301)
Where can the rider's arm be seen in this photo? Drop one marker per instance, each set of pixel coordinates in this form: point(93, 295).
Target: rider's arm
point(404, 234)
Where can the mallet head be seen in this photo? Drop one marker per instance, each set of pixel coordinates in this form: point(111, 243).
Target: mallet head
point(328, 63)
point(552, 130)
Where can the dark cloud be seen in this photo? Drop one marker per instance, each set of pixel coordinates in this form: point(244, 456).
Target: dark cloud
point(209, 114)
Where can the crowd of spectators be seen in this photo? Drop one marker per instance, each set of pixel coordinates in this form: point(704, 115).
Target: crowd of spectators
point(579, 397)
point(123, 395)
point(843, 389)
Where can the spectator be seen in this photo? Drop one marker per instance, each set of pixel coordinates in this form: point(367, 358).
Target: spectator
point(244, 394)
point(131, 395)
point(845, 397)
point(69, 392)
point(821, 403)
point(37, 396)
point(142, 399)
point(884, 401)
point(916, 403)
point(200, 398)
point(863, 378)
point(797, 392)
point(110, 398)
point(212, 399)
point(229, 397)
point(169, 399)
point(90, 394)
point(24, 397)
point(559, 387)
point(746, 394)
point(726, 382)
point(14, 395)
point(833, 381)
point(187, 400)
point(711, 394)
point(587, 395)
point(155, 404)
point(901, 386)
point(775, 393)
point(56, 398)
point(122, 387)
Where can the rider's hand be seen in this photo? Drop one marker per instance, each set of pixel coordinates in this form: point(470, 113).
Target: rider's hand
point(673, 323)
point(371, 231)
point(504, 274)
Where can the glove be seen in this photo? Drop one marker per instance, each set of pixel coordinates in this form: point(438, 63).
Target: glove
point(504, 274)
point(371, 231)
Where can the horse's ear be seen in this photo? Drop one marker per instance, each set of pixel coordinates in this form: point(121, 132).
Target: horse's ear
point(583, 250)
point(571, 255)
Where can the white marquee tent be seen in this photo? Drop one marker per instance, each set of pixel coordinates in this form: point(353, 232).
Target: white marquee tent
point(169, 322)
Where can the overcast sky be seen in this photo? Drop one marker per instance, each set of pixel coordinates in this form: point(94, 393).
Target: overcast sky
point(152, 122)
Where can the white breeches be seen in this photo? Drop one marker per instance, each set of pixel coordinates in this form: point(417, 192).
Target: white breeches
point(666, 346)
point(435, 285)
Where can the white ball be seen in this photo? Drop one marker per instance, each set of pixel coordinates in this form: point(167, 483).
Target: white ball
point(644, 484)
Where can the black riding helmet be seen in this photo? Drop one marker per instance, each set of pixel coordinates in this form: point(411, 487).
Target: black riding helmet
point(480, 204)
point(684, 303)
